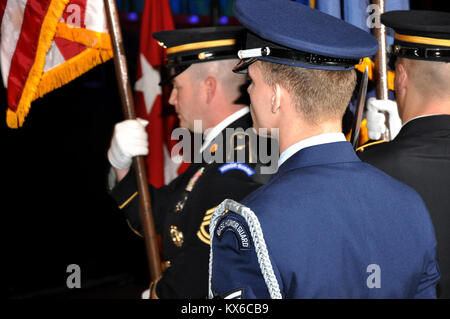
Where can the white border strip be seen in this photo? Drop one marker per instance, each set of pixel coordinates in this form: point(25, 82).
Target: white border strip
point(258, 240)
point(250, 53)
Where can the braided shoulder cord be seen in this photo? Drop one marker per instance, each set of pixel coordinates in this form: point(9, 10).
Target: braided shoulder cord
point(258, 240)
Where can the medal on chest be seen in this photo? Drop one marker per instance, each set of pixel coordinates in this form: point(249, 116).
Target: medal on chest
point(175, 233)
point(180, 204)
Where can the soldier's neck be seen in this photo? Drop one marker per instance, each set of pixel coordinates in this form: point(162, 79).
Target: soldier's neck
point(415, 108)
point(291, 134)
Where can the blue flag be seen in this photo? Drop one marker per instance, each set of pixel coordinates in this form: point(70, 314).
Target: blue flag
point(331, 7)
point(305, 2)
point(355, 12)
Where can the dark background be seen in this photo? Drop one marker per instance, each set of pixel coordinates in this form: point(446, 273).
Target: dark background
point(54, 201)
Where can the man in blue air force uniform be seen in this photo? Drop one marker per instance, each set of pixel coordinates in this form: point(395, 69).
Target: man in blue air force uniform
point(326, 225)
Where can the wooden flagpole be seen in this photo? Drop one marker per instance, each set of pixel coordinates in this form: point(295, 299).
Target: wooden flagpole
point(382, 91)
point(123, 82)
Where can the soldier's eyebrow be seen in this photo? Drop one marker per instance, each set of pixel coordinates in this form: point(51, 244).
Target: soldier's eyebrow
point(175, 83)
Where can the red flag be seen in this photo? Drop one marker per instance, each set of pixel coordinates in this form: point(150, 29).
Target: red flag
point(46, 44)
point(150, 104)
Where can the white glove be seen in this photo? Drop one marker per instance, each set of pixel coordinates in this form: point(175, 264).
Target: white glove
point(129, 140)
point(376, 119)
point(145, 294)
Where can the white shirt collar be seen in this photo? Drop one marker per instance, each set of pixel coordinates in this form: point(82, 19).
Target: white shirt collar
point(315, 140)
point(211, 134)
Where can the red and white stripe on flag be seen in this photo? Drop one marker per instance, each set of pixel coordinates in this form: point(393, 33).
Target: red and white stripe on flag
point(46, 44)
point(150, 104)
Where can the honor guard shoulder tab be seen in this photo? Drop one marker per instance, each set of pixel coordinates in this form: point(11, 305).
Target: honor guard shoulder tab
point(236, 236)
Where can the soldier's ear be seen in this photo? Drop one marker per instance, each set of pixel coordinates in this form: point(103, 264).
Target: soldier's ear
point(401, 77)
point(276, 97)
point(210, 85)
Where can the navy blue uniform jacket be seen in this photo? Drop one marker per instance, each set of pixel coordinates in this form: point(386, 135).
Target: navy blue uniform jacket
point(419, 156)
point(334, 227)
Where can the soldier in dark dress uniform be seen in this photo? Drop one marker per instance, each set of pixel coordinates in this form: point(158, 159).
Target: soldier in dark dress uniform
point(226, 166)
point(326, 225)
point(419, 155)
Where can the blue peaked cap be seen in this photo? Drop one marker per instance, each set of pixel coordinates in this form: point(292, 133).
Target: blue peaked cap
point(290, 33)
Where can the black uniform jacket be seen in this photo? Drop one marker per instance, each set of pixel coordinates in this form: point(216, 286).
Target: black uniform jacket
point(183, 208)
point(420, 157)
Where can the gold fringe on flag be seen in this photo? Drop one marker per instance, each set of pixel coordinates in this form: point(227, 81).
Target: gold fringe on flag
point(98, 50)
point(363, 137)
point(54, 13)
point(371, 65)
point(71, 69)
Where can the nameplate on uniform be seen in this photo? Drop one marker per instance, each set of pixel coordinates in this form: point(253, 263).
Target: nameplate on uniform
point(237, 165)
point(238, 228)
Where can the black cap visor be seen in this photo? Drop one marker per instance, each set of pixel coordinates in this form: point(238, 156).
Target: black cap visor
point(242, 66)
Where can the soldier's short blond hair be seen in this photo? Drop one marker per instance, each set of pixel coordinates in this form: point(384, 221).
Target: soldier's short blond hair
point(319, 95)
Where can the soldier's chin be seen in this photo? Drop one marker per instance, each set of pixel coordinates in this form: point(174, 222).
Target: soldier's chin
point(188, 126)
point(182, 122)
